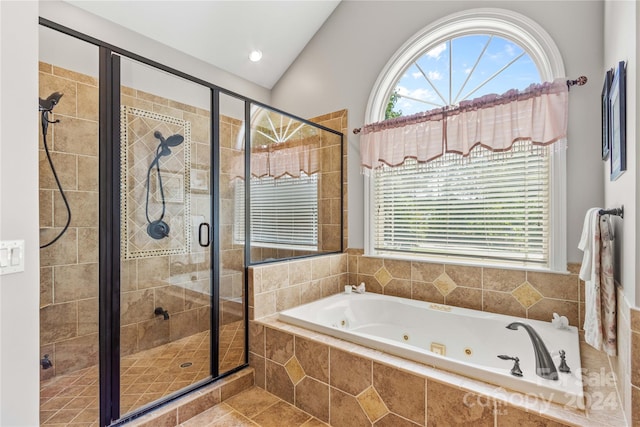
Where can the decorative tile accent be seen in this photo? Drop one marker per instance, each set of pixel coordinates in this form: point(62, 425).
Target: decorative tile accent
point(383, 276)
point(444, 284)
point(295, 371)
point(372, 404)
point(139, 151)
point(526, 295)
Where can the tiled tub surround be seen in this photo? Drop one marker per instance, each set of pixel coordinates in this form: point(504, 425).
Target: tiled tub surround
point(468, 340)
point(535, 295)
point(521, 293)
point(348, 385)
point(279, 286)
point(527, 294)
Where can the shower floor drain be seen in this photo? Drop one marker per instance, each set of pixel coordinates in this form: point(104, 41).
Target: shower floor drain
point(186, 364)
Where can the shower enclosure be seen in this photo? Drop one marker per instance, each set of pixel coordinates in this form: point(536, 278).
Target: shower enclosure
point(143, 292)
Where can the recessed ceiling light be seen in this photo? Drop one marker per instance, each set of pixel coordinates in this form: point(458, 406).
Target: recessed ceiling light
point(255, 55)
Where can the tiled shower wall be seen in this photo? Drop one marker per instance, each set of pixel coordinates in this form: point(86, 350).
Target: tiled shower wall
point(69, 268)
point(330, 206)
point(329, 196)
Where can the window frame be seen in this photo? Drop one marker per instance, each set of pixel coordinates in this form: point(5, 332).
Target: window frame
point(543, 51)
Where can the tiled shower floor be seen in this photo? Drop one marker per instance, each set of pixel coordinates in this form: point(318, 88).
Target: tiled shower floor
point(72, 399)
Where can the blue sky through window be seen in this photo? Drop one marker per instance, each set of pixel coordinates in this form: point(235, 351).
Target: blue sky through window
point(464, 68)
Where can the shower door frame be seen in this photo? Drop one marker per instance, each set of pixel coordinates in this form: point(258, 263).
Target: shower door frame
point(109, 229)
point(110, 239)
point(109, 224)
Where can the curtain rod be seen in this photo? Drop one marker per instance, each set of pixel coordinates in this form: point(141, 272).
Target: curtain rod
point(580, 81)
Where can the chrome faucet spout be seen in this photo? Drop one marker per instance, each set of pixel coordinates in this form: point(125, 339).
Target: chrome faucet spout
point(545, 367)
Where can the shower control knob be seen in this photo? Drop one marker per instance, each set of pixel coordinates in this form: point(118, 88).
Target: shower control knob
point(158, 229)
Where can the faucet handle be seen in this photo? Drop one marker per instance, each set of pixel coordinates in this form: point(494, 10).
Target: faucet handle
point(563, 363)
point(515, 371)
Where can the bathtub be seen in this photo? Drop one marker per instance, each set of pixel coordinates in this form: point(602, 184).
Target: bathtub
point(455, 339)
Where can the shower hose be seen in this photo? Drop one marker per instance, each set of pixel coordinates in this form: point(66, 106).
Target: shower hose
point(45, 125)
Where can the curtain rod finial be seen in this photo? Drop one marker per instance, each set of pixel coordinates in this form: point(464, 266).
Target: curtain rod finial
point(580, 81)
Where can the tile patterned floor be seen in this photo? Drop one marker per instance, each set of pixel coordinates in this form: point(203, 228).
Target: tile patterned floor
point(254, 407)
point(72, 399)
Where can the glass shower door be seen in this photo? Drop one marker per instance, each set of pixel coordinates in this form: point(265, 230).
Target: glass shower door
point(165, 263)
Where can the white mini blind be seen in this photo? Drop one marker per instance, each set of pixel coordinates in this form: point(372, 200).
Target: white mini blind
point(488, 206)
point(284, 211)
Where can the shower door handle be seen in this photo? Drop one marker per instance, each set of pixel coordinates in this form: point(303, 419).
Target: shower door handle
point(204, 238)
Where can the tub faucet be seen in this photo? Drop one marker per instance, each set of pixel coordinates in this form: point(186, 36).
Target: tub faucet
point(159, 311)
point(545, 367)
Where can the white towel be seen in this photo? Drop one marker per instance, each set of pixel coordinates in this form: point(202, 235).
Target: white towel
point(597, 271)
point(586, 245)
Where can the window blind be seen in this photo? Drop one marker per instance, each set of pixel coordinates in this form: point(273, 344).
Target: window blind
point(284, 211)
point(486, 206)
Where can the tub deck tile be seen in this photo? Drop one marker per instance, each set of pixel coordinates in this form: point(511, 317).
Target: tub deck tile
point(540, 410)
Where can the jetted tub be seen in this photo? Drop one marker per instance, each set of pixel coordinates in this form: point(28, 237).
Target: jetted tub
point(455, 339)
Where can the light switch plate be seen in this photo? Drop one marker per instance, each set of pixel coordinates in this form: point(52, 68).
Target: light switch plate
point(11, 256)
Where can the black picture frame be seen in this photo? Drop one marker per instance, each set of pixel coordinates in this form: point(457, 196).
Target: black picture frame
point(606, 140)
point(617, 122)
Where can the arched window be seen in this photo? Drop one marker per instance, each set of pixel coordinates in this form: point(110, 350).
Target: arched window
point(505, 209)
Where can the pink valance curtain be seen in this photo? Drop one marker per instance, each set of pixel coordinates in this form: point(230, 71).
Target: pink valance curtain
point(276, 160)
point(539, 113)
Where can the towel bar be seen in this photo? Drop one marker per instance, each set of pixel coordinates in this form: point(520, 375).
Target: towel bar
point(615, 211)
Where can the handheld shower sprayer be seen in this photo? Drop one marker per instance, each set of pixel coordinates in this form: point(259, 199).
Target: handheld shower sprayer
point(159, 229)
point(45, 107)
point(51, 101)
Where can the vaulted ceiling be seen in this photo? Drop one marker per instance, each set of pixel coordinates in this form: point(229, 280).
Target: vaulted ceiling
point(223, 33)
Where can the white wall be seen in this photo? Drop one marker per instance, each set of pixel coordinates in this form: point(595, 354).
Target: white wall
point(19, 292)
point(339, 66)
point(620, 31)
